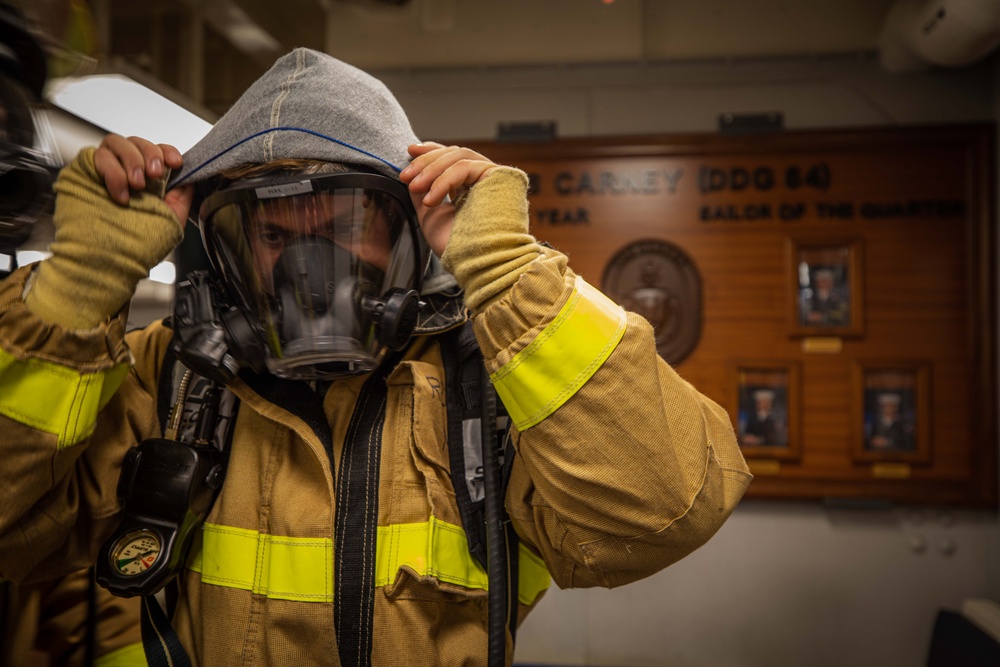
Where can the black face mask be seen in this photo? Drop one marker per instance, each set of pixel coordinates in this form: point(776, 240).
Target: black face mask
point(317, 298)
point(329, 308)
point(325, 267)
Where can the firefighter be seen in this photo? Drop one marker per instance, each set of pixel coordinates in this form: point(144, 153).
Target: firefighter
point(342, 251)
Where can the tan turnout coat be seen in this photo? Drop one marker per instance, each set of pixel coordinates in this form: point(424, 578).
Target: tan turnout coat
point(634, 471)
point(45, 625)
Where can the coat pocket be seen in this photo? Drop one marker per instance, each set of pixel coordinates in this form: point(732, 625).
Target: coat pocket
point(421, 472)
point(422, 545)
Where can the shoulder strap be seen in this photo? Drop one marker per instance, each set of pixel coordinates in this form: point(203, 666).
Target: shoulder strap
point(463, 368)
point(461, 356)
point(355, 532)
point(90, 636)
point(463, 365)
point(161, 644)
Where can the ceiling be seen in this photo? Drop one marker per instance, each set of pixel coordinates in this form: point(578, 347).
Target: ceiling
point(211, 50)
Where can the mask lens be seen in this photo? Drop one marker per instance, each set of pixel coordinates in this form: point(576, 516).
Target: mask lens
point(312, 268)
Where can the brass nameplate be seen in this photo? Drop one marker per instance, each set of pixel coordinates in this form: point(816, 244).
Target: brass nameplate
point(828, 345)
point(764, 466)
point(892, 470)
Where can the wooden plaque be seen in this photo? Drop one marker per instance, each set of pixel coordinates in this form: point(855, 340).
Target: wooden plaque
point(895, 223)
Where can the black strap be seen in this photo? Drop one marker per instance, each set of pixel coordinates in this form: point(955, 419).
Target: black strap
point(6, 591)
point(496, 534)
point(90, 638)
point(165, 386)
point(462, 362)
point(466, 383)
point(356, 526)
point(159, 641)
point(513, 541)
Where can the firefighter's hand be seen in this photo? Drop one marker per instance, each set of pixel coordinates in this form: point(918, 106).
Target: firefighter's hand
point(482, 236)
point(104, 245)
point(128, 164)
point(439, 171)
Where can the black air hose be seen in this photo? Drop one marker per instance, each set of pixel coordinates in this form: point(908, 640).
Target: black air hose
point(496, 547)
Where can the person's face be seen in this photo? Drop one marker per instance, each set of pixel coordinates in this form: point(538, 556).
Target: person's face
point(824, 282)
point(890, 409)
point(349, 219)
point(764, 404)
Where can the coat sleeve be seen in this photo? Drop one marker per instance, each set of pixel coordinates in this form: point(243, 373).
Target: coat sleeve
point(47, 624)
point(71, 404)
point(622, 467)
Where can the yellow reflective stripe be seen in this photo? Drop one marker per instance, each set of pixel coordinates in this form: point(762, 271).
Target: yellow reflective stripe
point(285, 568)
point(54, 398)
point(533, 577)
point(301, 569)
point(566, 354)
point(132, 655)
point(439, 549)
point(430, 549)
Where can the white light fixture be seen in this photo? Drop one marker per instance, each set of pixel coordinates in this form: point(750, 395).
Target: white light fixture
point(121, 105)
point(164, 272)
point(25, 257)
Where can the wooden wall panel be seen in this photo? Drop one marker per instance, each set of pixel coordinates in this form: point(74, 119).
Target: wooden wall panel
point(914, 204)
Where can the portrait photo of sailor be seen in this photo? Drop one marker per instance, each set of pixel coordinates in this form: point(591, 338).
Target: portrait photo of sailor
point(765, 423)
point(765, 408)
point(826, 288)
point(893, 423)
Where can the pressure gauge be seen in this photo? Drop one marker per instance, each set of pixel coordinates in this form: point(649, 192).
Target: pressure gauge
point(135, 552)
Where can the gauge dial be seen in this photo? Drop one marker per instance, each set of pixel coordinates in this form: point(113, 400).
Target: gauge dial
point(135, 552)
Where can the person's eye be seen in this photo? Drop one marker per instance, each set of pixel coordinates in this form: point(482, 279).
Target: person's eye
point(272, 238)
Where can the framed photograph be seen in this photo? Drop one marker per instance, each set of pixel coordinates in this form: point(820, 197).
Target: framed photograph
point(766, 409)
point(892, 412)
point(827, 288)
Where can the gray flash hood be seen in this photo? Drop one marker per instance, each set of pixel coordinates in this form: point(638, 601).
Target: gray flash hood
point(308, 105)
point(311, 105)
